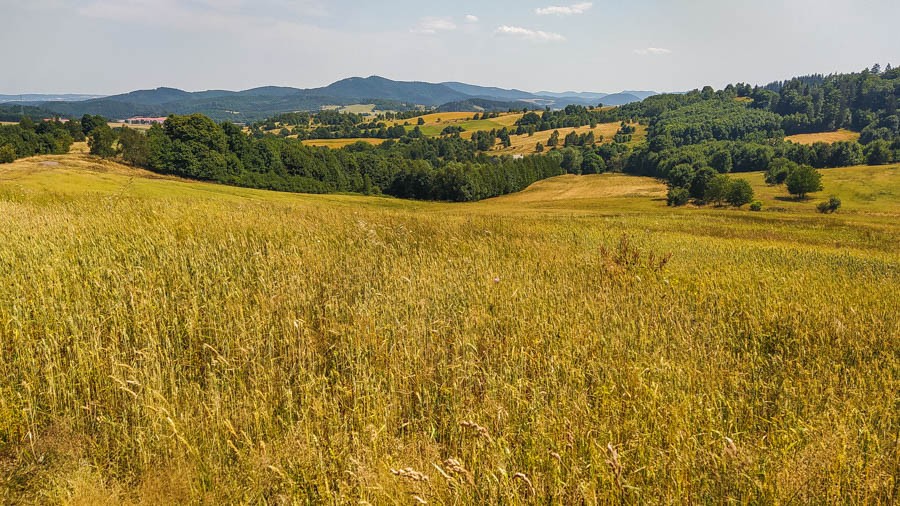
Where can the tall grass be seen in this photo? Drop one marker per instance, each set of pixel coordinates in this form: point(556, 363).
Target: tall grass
point(181, 350)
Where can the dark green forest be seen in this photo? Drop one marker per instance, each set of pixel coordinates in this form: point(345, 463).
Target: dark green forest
point(29, 138)
point(448, 168)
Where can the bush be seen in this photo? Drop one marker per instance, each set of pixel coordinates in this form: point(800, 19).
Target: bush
point(678, 197)
point(7, 154)
point(756, 206)
point(739, 193)
point(779, 170)
point(829, 206)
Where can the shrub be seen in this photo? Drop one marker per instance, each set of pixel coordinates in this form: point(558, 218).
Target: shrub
point(779, 170)
point(678, 197)
point(756, 206)
point(7, 154)
point(829, 206)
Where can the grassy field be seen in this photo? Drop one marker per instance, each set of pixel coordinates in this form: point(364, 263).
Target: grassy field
point(826, 137)
point(340, 143)
point(436, 122)
point(172, 342)
point(526, 145)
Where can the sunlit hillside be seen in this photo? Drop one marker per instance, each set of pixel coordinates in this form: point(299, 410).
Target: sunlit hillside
point(173, 342)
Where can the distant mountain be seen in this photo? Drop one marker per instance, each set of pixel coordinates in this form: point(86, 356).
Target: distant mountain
point(617, 99)
point(260, 103)
point(37, 98)
point(489, 92)
point(361, 89)
point(573, 94)
point(641, 94)
point(15, 112)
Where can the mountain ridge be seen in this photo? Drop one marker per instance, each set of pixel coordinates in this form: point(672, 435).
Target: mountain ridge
point(262, 102)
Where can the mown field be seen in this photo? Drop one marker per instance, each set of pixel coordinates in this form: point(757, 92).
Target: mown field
point(527, 144)
point(340, 143)
point(826, 137)
point(435, 123)
point(172, 342)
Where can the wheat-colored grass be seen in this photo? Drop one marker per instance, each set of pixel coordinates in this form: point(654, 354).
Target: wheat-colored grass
point(171, 342)
point(526, 145)
point(826, 137)
point(341, 143)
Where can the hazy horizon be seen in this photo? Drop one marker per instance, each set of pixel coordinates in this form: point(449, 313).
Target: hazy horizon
point(198, 45)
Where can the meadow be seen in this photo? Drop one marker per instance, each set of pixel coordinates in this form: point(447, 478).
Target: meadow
point(173, 342)
point(826, 137)
point(340, 143)
point(527, 144)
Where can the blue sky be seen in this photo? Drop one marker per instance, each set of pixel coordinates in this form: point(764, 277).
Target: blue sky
point(111, 46)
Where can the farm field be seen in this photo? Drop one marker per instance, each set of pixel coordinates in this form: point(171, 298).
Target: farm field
point(827, 137)
point(436, 122)
point(340, 143)
point(526, 145)
point(170, 342)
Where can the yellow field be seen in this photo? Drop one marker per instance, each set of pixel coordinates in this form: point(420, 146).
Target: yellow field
point(456, 118)
point(827, 137)
point(174, 342)
point(443, 118)
point(340, 143)
point(525, 145)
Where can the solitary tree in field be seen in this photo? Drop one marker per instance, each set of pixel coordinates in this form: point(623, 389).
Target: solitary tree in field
point(739, 193)
point(803, 180)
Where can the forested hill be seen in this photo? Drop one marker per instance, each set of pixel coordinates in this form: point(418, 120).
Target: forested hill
point(691, 139)
point(260, 103)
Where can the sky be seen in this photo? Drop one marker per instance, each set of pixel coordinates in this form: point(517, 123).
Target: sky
point(115, 46)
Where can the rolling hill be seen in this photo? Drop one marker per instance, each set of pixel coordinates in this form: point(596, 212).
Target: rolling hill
point(176, 342)
point(260, 103)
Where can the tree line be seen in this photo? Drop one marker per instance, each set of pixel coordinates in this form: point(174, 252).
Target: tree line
point(447, 168)
point(30, 138)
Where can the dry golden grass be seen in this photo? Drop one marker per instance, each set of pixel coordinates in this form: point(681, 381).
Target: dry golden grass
point(442, 118)
point(169, 342)
point(340, 143)
point(602, 187)
point(135, 127)
point(826, 137)
point(526, 145)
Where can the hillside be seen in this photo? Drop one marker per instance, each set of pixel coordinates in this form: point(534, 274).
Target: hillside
point(179, 342)
point(260, 103)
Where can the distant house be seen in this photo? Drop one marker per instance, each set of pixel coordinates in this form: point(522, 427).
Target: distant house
point(144, 121)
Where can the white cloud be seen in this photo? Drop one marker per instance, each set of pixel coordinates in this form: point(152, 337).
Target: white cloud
point(432, 25)
point(472, 18)
point(658, 51)
point(525, 33)
point(579, 8)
